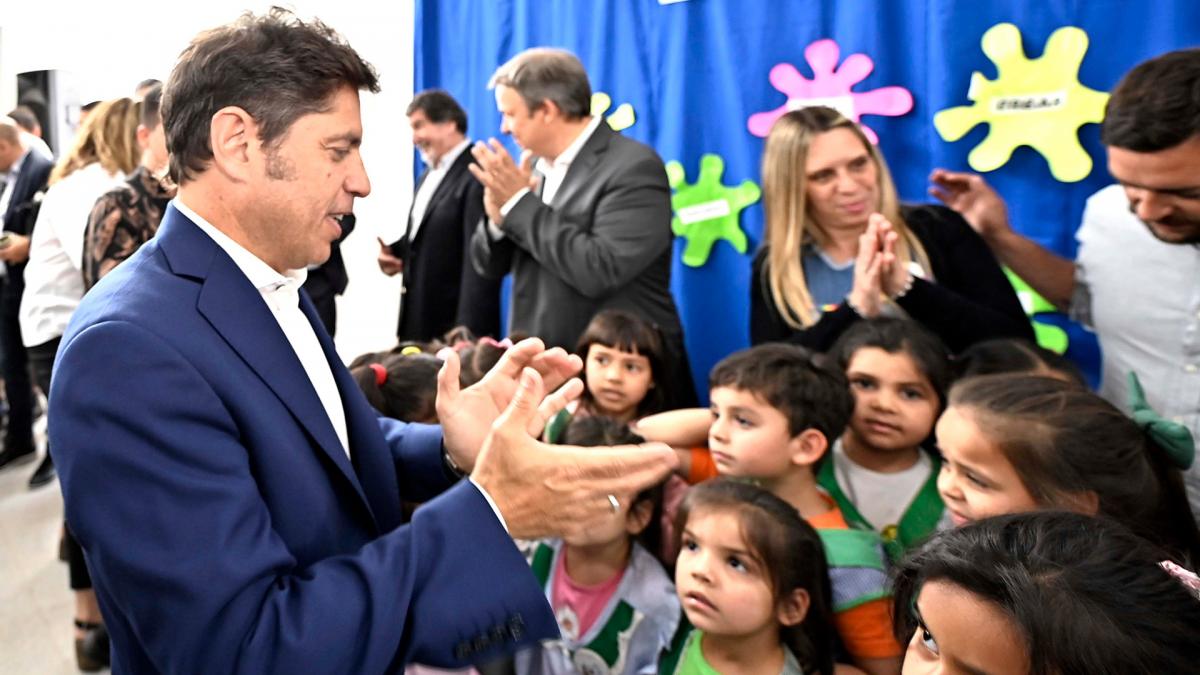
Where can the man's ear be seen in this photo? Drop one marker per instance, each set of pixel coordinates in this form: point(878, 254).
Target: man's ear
point(143, 137)
point(807, 447)
point(233, 135)
point(793, 607)
point(549, 110)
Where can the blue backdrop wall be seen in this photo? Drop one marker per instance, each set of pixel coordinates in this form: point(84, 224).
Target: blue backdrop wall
point(706, 77)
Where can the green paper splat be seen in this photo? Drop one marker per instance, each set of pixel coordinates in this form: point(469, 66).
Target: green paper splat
point(1035, 102)
point(1048, 336)
point(621, 119)
point(706, 210)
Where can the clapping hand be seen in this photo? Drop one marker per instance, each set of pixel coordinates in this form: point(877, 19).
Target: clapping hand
point(878, 273)
point(894, 276)
point(467, 414)
point(866, 294)
point(556, 490)
point(500, 176)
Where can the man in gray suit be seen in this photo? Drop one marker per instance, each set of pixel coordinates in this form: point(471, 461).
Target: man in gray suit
point(586, 227)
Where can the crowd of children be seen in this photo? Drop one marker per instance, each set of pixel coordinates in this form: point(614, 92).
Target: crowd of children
point(885, 505)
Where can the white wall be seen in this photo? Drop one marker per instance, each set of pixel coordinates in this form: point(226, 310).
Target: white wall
point(111, 46)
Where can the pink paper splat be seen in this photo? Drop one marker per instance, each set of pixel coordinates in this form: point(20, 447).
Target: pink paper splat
point(831, 86)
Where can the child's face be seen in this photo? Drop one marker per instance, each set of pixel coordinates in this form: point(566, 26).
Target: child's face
point(723, 588)
point(895, 406)
point(617, 380)
point(977, 480)
point(749, 438)
point(960, 632)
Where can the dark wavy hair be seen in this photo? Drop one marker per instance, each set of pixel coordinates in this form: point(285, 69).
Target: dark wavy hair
point(804, 385)
point(1014, 355)
point(1087, 595)
point(899, 336)
point(1156, 105)
point(788, 549)
point(275, 67)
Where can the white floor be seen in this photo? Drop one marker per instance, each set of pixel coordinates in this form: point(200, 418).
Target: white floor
point(36, 607)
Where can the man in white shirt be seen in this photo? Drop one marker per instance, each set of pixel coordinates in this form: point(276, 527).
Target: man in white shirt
point(237, 498)
point(1136, 278)
point(586, 228)
point(441, 288)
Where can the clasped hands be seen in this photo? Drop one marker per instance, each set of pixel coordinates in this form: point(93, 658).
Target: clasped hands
point(500, 176)
point(878, 272)
point(542, 490)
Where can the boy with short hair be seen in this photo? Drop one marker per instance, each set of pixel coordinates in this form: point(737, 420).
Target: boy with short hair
point(775, 409)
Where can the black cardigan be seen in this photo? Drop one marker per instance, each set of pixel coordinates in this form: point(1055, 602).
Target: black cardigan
point(969, 300)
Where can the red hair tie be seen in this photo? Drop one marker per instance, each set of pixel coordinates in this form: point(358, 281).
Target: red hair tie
point(380, 374)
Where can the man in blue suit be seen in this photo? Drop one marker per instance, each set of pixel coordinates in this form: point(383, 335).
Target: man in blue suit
point(28, 172)
point(237, 499)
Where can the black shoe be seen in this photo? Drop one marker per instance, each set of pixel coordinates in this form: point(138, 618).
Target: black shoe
point(92, 650)
point(44, 474)
point(15, 456)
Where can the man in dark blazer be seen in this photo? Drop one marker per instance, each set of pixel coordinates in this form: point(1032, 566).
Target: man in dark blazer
point(238, 500)
point(28, 172)
point(441, 288)
point(329, 279)
point(588, 227)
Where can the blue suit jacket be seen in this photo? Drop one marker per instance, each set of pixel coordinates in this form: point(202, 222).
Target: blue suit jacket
point(224, 526)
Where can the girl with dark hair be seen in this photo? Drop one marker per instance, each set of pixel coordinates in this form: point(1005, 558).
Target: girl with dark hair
point(624, 374)
point(1015, 443)
point(615, 605)
point(1012, 355)
point(401, 385)
point(754, 585)
point(1045, 593)
point(878, 471)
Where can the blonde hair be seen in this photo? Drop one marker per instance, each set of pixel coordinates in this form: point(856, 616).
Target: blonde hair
point(107, 136)
point(788, 224)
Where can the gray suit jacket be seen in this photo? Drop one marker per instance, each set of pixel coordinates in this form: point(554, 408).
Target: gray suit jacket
point(605, 243)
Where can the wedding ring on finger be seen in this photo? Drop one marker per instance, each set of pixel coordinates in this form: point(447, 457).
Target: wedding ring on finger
point(616, 505)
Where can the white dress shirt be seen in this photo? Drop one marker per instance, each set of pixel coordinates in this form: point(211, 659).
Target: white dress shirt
point(281, 293)
point(433, 178)
point(53, 277)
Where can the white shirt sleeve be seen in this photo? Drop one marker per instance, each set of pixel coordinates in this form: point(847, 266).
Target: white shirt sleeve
point(491, 502)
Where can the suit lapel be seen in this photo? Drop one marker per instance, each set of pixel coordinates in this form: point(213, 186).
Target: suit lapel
point(444, 189)
point(373, 464)
point(583, 165)
point(237, 312)
point(416, 188)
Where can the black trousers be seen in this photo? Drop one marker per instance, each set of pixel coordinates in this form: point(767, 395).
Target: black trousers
point(682, 390)
point(18, 388)
point(41, 360)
